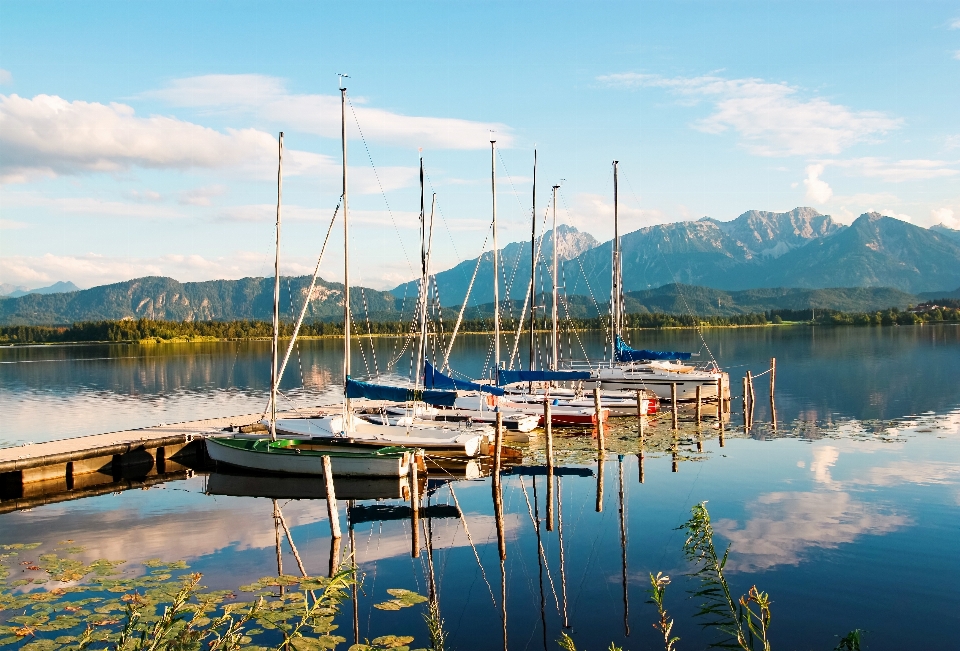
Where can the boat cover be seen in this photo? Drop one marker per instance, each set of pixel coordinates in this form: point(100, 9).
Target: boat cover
point(509, 377)
point(434, 379)
point(357, 389)
point(627, 354)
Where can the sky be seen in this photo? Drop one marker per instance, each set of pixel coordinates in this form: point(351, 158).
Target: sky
point(141, 138)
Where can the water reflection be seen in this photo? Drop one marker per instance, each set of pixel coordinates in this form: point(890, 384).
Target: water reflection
point(857, 491)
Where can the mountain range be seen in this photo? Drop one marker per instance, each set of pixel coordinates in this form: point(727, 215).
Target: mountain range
point(711, 266)
point(13, 291)
point(800, 248)
point(156, 297)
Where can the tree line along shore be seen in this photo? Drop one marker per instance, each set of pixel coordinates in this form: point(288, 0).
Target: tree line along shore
point(148, 330)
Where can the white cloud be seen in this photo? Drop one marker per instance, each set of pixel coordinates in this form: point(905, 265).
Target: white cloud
point(268, 98)
point(946, 217)
point(897, 171)
point(956, 54)
point(201, 196)
point(593, 213)
point(955, 24)
point(5, 76)
point(145, 195)
point(144, 207)
point(11, 225)
point(769, 118)
point(952, 142)
point(92, 269)
point(818, 190)
point(48, 135)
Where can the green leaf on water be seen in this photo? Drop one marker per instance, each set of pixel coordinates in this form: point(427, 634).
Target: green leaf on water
point(402, 599)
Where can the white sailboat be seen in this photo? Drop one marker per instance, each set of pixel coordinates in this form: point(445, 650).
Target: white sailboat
point(653, 371)
point(347, 429)
point(298, 455)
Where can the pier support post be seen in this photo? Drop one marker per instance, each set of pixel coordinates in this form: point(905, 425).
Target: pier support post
point(333, 514)
point(773, 383)
point(414, 508)
point(495, 485)
point(598, 409)
point(699, 392)
point(600, 459)
point(548, 427)
point(641, 412)
point(746, 401)
point(673, 401)
point(753, 397)
point(720, 404)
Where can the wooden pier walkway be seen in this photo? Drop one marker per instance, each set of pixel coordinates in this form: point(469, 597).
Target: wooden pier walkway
point(36, 470)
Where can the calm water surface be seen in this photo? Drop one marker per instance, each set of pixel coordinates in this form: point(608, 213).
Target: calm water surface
point(848, 514)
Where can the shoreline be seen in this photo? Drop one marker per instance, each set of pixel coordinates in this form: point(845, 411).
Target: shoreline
point(158, 341)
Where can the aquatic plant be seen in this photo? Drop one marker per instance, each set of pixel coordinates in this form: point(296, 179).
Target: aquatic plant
point(68, 604)
point(658, 586)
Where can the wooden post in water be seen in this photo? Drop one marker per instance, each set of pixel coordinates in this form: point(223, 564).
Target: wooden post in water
point(746, 399)
point(333, 514)
point(753, 396)
point(548, 427)
point(414, 509)
point(276, 526)
point(720, 401)
point(497, 489)
point(773, 383)
point(673, 401)
point(641, 412)
point(600, 456)
point(598, 409)
point(699, 391)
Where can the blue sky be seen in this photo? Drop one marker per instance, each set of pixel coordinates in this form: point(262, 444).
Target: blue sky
point(139, 138)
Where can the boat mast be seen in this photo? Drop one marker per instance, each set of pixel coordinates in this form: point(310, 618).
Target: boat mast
point(496, 275)
point(533, 264)
point(423, 284)
point(346, 253)
point(555, 359)
point(276, 302)
point(616, 289)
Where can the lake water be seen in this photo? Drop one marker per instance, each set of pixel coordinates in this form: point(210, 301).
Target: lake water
point(847, 513)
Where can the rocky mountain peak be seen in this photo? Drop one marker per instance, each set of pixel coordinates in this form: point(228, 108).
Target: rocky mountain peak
point(771, 234)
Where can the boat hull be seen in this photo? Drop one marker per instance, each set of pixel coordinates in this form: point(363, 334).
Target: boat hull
point(435, 441)
point(289, 462)
point(660, 382)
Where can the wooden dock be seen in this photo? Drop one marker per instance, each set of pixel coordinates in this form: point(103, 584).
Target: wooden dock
point(36, 471)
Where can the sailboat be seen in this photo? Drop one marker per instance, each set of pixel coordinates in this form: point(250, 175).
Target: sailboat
point(299, 455)
point(349, 430)
point(481, 402)
point(654, 371)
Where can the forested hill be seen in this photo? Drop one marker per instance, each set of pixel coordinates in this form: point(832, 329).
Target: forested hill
point(162, 298)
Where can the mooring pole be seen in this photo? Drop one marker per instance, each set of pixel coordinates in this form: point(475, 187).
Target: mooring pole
point(746, 399)
point(414, 508)
point(548, 427)
point(773, 383)
point(673, 400)
point(333, 514)
point(753, 396)
point(699, 391)
point(598, 410)
point(600, 459)
point(720, 401)
point(497, 489)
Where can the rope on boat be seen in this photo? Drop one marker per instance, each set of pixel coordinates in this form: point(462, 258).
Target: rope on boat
point(376, 174)
point(466, 299)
